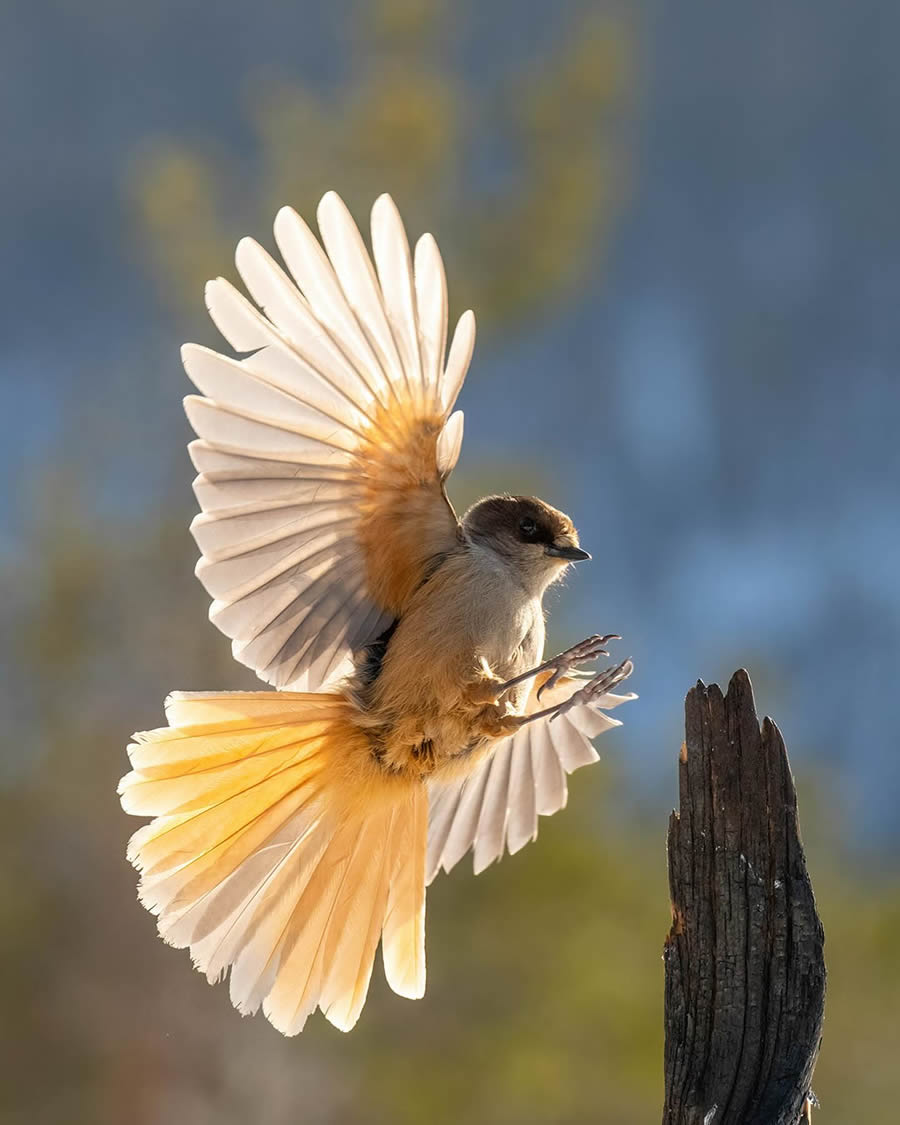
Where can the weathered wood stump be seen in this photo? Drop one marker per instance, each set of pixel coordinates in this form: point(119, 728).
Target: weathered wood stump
point(745, 970)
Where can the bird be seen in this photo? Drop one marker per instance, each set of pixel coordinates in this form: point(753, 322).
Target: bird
point(413, 717)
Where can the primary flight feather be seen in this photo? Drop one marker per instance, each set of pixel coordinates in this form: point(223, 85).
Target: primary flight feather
point(415, 720)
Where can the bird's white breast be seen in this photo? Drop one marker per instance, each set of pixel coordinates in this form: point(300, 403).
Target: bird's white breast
point(506, 619)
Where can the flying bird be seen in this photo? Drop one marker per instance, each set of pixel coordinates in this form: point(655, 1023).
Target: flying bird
point(415, 718)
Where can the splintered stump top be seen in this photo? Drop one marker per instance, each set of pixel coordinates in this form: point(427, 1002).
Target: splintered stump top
point(745, 971)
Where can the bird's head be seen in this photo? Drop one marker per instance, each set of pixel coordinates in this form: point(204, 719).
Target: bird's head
point(532, 537)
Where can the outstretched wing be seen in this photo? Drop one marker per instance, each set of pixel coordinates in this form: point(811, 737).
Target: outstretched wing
point(497, 806)
point(323, 453)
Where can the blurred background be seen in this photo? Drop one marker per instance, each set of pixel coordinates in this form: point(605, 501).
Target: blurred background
point(678, 226)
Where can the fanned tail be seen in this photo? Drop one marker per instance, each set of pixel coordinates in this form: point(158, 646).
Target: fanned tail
point(280, 851)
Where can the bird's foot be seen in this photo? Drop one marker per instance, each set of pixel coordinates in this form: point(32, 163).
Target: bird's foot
point(594, 689)
point(584, 652)
point(601, 683)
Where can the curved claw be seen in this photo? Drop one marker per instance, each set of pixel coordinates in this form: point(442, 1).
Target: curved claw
point(599, 685)
point(582, 653)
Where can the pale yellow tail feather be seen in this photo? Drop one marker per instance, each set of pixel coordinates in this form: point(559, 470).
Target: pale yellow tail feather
point(254, 951)
point(279, 852)
point(188, 835)
point(195, 707)
point(201, 896)
point(403, 941)
point(353, 957)
point(306, 969)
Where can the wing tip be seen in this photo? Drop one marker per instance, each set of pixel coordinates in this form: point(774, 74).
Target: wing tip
point(190, 403)
point(331, 201)
point(246, 245)
point(286, 216)
point(428, 242)
point(482, 864)
point(213, 285)
point(192, 355)
point(185, 351)
point(384, 200)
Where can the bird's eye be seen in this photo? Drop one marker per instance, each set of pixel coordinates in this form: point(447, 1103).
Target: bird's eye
point(528, 529)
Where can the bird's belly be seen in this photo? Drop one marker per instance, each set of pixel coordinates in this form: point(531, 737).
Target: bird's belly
point(431, 703)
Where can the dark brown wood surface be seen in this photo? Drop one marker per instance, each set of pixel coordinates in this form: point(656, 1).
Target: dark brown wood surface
point(744, 961)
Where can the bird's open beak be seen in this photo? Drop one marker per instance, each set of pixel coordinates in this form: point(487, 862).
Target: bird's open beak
point(573, 554)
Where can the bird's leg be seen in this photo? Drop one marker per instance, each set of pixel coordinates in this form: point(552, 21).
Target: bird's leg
point(582, 653)
point(593, 689)
point(494, 721)
point(483, 688)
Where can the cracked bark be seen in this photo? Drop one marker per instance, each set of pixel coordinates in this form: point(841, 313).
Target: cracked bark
point(744, 963)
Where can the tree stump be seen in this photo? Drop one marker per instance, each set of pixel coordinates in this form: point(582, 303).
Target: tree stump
point(744, 962)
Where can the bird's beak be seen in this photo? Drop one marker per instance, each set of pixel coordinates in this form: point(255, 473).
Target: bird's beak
point(572, 554)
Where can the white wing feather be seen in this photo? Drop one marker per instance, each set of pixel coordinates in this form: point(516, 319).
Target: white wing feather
point(278, 485)
point(497, 806)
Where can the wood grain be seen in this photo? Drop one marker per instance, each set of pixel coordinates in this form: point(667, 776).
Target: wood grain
point(744, 960)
